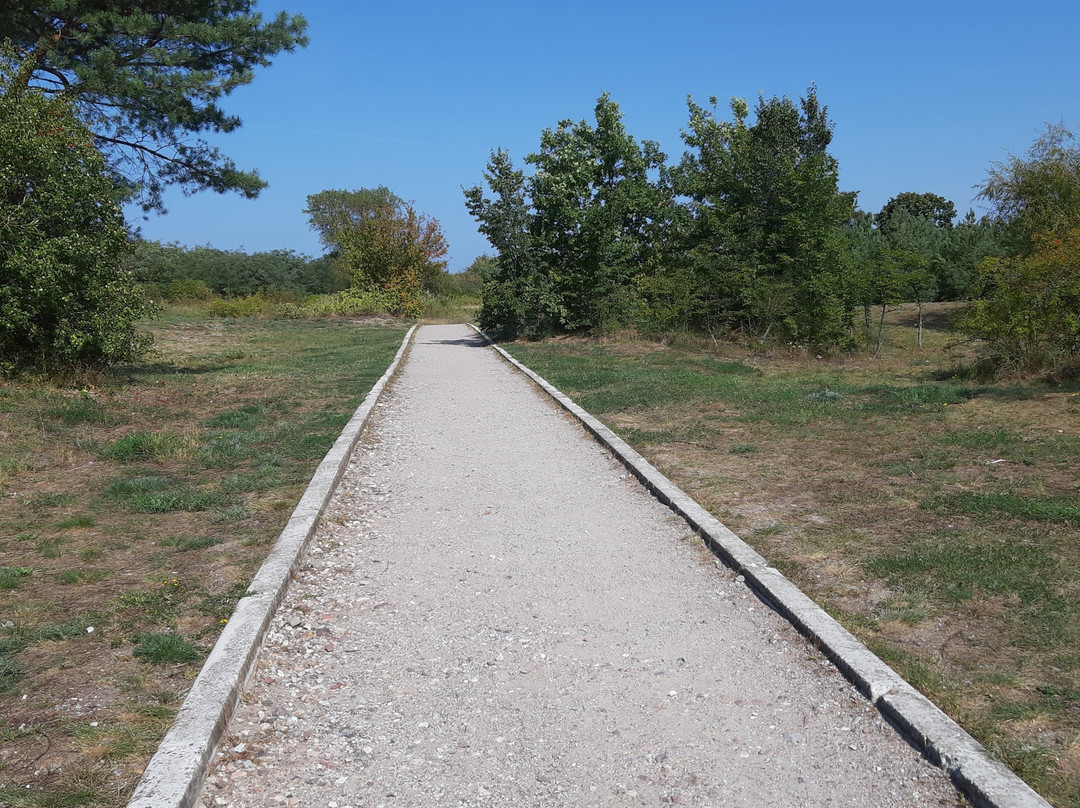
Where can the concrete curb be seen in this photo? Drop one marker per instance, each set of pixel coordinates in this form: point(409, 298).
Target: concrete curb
point(988, 783)
point(175, 774)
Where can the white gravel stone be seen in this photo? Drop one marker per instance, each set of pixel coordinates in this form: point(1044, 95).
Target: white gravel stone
point(494, 614)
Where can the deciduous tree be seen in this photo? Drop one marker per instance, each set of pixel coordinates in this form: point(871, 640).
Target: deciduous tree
point(1039, 193)
point(768, 213)
point(936, 209)
point(380, 242)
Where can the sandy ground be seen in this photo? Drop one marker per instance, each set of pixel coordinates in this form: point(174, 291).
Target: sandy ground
point(495, 614)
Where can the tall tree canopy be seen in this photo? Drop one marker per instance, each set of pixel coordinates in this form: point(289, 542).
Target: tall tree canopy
point(572, 236)
point(1040, 192)
point(932, 207)
point(768, 214)
point(147, 79)
point(1027, 305)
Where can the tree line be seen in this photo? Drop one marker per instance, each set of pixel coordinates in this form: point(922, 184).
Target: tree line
point(747, 233)
point(750, 233)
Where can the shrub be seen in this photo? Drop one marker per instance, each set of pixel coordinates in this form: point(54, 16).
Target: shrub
point(65, 300)
point(1028, 308)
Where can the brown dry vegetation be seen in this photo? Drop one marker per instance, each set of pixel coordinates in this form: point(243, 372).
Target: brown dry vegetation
point(137, 508)
point(936, 515)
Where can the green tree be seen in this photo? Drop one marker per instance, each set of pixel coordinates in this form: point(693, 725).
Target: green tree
point(66, 301)
point(936, 209)
point(1039, 193)
point(519, 296)
point(573, 236)
point(1026, 305)
point(597, 212)
point(1027, 308)
point(380, 242)
point(769, 217)
point(147, 79)
point(969, 242)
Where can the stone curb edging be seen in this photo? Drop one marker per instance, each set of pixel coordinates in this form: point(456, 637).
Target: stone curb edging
point(174, 775)
point(987, 782)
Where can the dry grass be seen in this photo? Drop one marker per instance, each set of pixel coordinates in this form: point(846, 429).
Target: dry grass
point(140, 504)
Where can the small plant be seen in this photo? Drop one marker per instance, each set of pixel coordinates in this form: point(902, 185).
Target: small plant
point(233, 513)
point(187, 545)
point(149, 446)
point(89, 576)
point(42, 501)
point(743, 448)
point(52, 547)
point(75, 522)
point(165, 649)
point(10, 577)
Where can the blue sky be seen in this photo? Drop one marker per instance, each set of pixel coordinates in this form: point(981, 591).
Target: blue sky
point(414, 96)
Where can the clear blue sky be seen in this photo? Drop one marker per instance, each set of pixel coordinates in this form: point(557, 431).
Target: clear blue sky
point(414, 96)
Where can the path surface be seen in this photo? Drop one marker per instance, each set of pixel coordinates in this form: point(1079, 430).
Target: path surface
point(496, 614)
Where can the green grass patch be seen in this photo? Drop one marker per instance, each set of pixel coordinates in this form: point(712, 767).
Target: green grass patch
point(51, 546)
point(82, 576)
point(46, 500)
point(165, 649)
point(73, 522)
point(11, 577)
point(84, 409)
point(159, 494)
point(958, 566)
point(1061, 509)
point(245, 418)
point(154, 446)
point(200, 543)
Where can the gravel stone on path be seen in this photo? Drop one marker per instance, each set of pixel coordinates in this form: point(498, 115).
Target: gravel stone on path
point(494, 613)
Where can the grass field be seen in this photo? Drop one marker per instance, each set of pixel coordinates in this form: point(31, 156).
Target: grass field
point(133, 512)
point(935, 515)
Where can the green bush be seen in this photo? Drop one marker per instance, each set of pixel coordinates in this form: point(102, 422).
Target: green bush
point(65, 299)
point(187, 289)
point(257, 305)
point(1028, 308)
point(350, 303)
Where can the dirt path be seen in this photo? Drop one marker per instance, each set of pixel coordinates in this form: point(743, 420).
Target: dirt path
point(495, 614)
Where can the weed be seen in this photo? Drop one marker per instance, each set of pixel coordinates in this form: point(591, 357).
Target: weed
point(245, 418)
point(160, 495)
point(71, 522)
point(90, 554)
point(221, 605)
point(233, 513)
point(156, 446)
point(84, 576)
point(743, 448)
point(82, 410)
point(10, 577)
point(165, 649)
point(187, 545)
point(9, 673)
point(51, 547)
point(308, 447)
point(48, 500)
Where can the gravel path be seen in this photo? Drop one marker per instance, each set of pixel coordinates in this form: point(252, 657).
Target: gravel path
point(495, 614)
